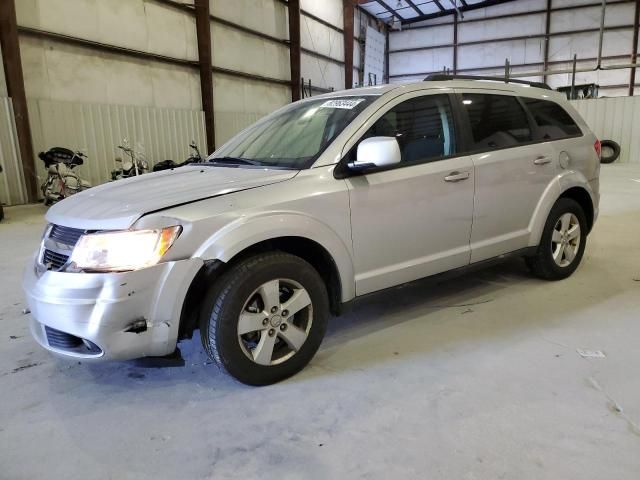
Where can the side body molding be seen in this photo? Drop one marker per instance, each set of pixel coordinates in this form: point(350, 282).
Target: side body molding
point(554, 190)
point(244, 232)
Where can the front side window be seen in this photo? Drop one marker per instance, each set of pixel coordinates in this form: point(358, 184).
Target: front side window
point(553, 121)
point(497, 121)
point(294, 137)
point(423, 127)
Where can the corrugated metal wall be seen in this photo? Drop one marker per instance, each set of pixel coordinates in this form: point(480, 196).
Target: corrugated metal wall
point(96, 130)
point(615, 119)
point(12, 189)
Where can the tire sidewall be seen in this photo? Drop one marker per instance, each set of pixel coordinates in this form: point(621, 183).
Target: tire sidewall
point(229, 299)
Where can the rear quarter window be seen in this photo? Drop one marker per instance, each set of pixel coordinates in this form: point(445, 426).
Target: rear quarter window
point(554, 123)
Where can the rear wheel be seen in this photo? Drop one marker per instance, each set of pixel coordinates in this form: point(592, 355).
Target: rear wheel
point(265, 318)
point(562, 243)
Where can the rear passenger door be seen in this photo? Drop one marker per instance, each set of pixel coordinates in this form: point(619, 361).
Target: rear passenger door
point(512, 170)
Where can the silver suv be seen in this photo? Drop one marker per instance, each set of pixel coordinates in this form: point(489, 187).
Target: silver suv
point(323, 201)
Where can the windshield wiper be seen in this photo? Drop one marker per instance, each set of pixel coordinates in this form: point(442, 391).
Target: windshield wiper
point(234, 160)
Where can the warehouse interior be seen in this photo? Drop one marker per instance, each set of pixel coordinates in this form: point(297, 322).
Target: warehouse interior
point(493, 374)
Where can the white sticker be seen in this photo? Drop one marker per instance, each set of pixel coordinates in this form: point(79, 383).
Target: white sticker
point(346, 104)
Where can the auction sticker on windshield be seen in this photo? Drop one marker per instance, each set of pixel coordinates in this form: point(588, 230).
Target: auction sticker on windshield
point(346, 104)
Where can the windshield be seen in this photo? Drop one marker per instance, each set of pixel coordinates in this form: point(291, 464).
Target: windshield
point(294, 137)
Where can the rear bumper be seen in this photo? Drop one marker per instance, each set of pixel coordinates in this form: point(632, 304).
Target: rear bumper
point(100, 308)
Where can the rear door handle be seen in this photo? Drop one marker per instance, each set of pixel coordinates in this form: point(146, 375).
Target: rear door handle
point(542, 160)
point(456, 176)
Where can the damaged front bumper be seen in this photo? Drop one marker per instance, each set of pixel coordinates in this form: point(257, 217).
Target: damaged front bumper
point(109, 316)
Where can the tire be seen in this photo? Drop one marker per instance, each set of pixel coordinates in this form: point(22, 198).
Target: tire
point(614, 147)
point(244, 289)
point(543, 264)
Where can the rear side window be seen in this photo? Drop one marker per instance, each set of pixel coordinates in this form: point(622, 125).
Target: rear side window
point(497, 121)
point(553, 121)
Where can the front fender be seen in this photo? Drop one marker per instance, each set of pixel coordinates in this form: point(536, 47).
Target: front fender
point(245, 232)
point(554, 190)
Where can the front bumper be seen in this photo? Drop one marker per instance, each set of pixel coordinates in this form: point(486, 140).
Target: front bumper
point(101, 307)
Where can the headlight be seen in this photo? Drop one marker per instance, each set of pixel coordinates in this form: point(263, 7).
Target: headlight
point(122, 251)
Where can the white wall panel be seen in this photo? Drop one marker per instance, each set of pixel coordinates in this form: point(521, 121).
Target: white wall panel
point(137, 24)
point(247, 53)
point(267, 16)
point(97, 130)
point(322, 73)
point(321, 39)
point(56, 71)
point(517, 26)
point(494, 54)
point(615, 119)
point(437, 35)
point(12, 189)
point(328, 10)
point(238, 103)
point(507, 8)
point(420, 61)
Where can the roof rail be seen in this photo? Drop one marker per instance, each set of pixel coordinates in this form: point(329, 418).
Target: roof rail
point(439, 77)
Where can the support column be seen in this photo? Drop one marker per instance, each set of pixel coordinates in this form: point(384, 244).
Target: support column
point(347, 14)
point(455, 43)
point(547, 40)
point(203, 31)
point(634, 48)
point(15, 88)
point(294, 48)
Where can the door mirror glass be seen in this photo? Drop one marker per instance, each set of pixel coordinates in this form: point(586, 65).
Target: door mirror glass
point(377, 152)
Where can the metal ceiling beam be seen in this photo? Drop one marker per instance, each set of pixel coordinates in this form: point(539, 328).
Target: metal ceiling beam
point(439, 5)
point(205, 64)
point(461, 9)
point(415, 7)
point(464, 4)
point(391, 10)
point(15, 88)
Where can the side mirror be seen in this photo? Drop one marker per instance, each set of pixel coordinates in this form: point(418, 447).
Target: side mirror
point(376, 152)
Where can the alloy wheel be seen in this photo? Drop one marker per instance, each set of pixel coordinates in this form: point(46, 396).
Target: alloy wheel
point(275, 322)
point(565, 240)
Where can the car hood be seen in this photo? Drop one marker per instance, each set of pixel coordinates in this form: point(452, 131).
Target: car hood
point(117, 205)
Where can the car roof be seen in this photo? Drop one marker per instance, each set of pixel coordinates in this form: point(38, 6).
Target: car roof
point(480, 84)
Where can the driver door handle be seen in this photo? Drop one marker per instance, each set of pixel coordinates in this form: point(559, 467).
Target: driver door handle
point(457, 176)
point(542, 160)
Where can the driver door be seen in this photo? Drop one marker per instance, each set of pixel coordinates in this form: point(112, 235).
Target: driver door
point(412, 219)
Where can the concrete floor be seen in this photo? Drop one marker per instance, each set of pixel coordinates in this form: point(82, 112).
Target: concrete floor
point(476, 378)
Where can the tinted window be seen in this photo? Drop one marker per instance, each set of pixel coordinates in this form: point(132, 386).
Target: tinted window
point(423, 127)
point(497, 121)
point(553, 121)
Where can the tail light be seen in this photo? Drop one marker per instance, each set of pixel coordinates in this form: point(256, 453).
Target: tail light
point(598, 148)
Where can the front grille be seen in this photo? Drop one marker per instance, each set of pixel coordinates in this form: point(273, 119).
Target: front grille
point(58, 245)
point(53, 260)
point(66, 341)
point(66, 235)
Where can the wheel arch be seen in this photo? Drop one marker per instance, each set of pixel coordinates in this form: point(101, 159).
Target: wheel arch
point(570, 185)
point(337, 277)
point(583, 198)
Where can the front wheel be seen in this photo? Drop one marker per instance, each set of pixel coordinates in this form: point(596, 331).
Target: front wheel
point(265, 318)
point(562, 243)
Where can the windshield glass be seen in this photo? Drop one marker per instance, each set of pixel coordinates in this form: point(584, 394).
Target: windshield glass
point(294, 137)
